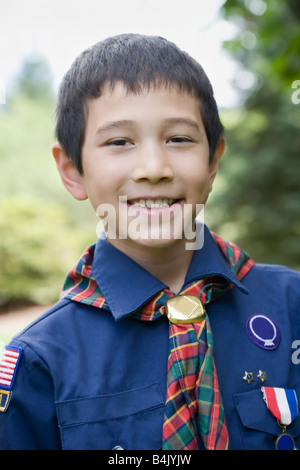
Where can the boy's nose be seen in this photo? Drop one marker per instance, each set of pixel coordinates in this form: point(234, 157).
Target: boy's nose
point(153, 164)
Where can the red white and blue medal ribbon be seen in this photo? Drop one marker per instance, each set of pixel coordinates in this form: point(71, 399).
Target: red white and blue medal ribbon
point(283, 404)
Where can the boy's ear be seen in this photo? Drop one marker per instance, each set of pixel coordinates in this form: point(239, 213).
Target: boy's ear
point(71, 178)
point(214, 164)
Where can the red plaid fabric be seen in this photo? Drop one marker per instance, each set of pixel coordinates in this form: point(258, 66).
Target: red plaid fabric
point(193, 403)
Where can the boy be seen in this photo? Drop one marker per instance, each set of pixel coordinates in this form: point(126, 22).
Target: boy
point(125, 360)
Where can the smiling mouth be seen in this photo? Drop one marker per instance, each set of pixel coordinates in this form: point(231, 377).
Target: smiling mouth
point(160, 203)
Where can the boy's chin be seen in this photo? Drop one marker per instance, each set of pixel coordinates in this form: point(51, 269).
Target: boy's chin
point(154, 242)
point(157, 241)
point(154, 236)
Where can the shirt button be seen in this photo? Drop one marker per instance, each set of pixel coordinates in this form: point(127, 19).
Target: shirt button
point(118, 447)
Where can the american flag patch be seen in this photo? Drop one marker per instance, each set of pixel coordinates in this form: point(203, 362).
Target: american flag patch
point(8, 366)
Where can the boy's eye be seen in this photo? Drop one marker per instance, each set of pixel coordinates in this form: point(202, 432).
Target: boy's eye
point(118, 142)
point(179, 139)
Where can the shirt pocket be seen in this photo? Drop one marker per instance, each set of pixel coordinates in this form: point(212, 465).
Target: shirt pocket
point(259, 428)
point(131, 419)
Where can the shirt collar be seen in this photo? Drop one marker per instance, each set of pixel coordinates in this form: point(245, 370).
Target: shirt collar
point(126, 285)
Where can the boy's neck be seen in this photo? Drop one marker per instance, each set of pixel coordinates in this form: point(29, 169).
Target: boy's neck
point(168, 264)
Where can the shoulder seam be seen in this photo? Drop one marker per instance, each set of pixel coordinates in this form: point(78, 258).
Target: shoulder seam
point(56, 307)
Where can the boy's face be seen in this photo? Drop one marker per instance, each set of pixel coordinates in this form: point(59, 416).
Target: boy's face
point(145, 162)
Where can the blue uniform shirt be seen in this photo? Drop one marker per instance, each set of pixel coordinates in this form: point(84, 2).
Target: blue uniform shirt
point(89, 378)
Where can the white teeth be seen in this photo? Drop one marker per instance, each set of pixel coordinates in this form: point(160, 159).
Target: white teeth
point(154, 204)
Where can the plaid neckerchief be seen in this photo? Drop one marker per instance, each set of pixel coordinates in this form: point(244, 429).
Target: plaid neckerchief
point(193, 403)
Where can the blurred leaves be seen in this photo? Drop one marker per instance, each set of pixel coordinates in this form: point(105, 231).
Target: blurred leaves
point(38, 246)
point(257, 201)
point(35, 81)
point(43, 230)
point(268, 42)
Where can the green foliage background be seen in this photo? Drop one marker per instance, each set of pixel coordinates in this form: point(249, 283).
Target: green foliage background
point(256, 199)
point(42, 229)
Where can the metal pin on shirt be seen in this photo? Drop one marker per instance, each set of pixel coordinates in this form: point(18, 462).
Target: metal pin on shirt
point(185, 309)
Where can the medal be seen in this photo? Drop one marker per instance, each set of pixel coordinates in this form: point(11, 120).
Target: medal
point(285, 441)
point(283, 404)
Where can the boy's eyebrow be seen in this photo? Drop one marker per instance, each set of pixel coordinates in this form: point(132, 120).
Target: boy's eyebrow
point(114, 125)
point(166, 122)
point(181, 120)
